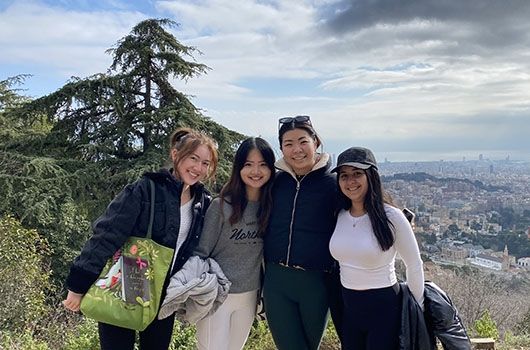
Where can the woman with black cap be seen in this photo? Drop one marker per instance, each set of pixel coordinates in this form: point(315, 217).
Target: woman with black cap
point(298, 286)
point(369, 233)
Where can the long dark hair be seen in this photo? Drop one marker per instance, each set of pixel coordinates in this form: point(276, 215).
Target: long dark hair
point(234, 191)
point(374, 204)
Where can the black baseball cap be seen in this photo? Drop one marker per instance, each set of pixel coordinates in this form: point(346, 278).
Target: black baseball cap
point(358, 157)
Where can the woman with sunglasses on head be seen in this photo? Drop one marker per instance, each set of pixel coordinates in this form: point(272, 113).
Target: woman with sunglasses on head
point(298, 263)
point(370, 232)
point(233, 236)
point(181, 203)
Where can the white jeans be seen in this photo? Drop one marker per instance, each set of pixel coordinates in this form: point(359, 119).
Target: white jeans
point(229, 326)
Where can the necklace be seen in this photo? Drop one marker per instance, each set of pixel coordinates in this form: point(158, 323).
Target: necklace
point(357, 219)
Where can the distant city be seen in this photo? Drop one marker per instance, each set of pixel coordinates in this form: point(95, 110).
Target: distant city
point(459, 204)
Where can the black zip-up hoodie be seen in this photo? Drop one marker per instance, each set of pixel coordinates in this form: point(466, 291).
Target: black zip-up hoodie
point(302, 218)
point(128, 215)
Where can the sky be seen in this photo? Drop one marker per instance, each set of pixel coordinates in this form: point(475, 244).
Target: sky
point(410, 79)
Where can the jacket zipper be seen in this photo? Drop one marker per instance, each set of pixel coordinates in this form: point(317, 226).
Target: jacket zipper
point(292, 220)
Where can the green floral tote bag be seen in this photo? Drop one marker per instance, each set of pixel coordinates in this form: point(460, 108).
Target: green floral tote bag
point(128, 291)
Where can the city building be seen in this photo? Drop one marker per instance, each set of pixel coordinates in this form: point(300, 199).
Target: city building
point(524, 262)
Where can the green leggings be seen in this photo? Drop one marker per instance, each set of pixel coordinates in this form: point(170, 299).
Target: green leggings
point(296, 305)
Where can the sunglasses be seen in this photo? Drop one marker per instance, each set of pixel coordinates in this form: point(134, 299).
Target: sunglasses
point(301, 119)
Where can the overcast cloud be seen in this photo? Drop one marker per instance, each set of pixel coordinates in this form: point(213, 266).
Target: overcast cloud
point(412, 80)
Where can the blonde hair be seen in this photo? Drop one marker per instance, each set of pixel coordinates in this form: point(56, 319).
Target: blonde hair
point(186, 140)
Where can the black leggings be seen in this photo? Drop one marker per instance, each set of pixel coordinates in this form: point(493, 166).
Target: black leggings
point(157, 336)
point(371, 319)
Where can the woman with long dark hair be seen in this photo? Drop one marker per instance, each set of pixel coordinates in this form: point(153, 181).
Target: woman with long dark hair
point(233, 236)
point(369, 233)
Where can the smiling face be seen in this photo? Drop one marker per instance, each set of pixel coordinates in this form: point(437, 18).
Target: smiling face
point(255, 172)
point(354, 184)
point(299, 148)
point(194, 167)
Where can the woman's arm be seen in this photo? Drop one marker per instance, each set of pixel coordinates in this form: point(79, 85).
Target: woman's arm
point(407, 247)
point(110, 231)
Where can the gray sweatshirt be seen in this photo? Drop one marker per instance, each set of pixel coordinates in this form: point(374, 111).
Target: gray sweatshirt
point(237, 248)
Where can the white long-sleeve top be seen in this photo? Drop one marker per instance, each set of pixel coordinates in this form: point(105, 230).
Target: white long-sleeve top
point(364, 265)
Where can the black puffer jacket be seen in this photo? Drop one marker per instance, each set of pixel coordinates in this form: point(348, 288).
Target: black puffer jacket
point(443, 320)
point(414, 333)
point(440, 320)
point(303, 218)
point(128, 214)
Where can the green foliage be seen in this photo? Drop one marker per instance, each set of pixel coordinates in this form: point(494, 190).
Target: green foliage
point(9, 96)
point(517, 242)
point(39, 191)
point(330, 341)
point(523, 326)
point(13, 126)
point(429, 238)
point(70, 152)
point(83, 337)
point(514, 342)
point(486, 327)
point(260, 337)
point(24, 276)
point(131, 110)
point(21, 341)
point(183, 337)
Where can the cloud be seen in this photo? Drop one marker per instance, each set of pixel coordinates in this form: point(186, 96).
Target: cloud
point(395, 75)
point(352, 15)
point(420, 80)
point(69, 41)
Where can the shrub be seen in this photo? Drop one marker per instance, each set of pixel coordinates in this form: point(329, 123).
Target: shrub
point(83, 337)
point(24, 277)
point(183, 337)
point(514, 342)
point(485, 327)
point(524, 325)
point(22, 340)
point(260, 337)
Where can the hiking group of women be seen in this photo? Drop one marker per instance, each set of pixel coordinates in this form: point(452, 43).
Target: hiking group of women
point(328, 238)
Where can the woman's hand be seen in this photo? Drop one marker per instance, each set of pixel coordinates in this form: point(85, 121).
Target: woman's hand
point(73, 301)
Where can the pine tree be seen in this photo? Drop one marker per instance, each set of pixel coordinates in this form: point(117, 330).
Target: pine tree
point(73, 150)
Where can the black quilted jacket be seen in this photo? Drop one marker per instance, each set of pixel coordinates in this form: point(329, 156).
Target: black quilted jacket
point(128, 214)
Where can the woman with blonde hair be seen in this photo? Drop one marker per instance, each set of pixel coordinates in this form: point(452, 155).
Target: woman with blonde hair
point(180, 205)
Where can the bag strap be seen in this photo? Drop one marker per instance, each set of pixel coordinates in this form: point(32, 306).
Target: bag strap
point(151, 211)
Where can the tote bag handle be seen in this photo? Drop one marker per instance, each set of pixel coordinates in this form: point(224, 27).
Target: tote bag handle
point(151, 210)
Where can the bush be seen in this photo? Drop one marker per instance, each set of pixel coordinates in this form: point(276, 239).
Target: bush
point(83, 337)
point(23, 340)
point(24, 277)
point(183, 337)
point(485, 327)
point(524, 325)
point(514, 342)
point(260, 337)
